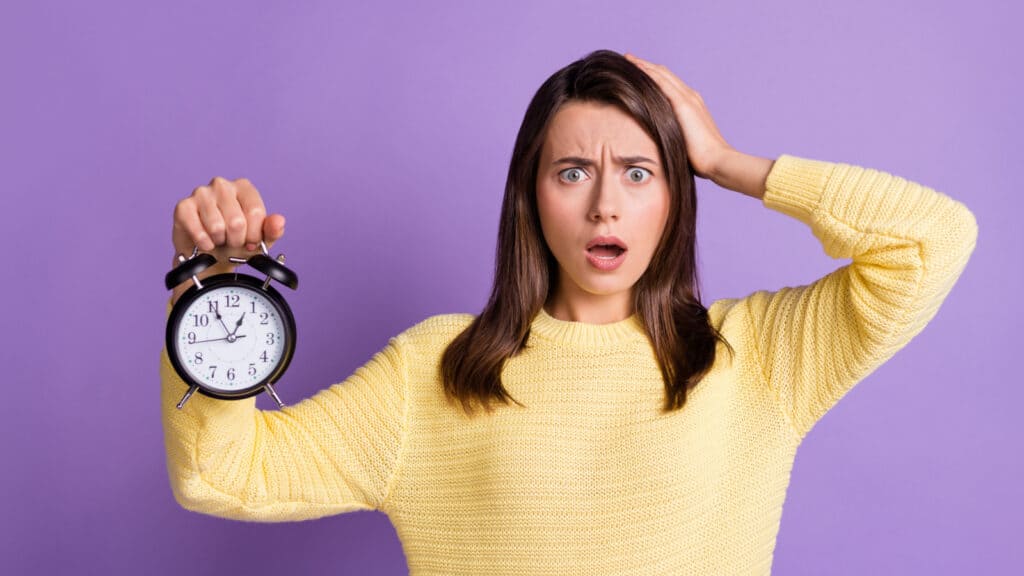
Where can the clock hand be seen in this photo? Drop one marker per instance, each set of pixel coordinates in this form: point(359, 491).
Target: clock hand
point(217, 312)
point(216, 339)
point(237, 324)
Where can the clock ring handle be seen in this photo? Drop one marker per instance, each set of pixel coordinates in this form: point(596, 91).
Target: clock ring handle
point(273, 268)
point(188, 268)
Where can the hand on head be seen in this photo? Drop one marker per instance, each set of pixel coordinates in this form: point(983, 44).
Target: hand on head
point(704, 143)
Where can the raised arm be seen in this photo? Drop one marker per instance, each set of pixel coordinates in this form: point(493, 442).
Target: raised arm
point(909, 245)
point(334, 452)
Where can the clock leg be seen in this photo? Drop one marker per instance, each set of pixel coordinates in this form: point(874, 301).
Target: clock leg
point(270, 390)
point(187, 396)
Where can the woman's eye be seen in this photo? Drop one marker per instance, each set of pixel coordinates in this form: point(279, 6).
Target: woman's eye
point(639, 175)
point(572, 174)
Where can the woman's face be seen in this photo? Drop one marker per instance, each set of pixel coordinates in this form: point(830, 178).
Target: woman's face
point(600, 174)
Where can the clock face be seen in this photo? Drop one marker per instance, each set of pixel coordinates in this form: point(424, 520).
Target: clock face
point(231, 338)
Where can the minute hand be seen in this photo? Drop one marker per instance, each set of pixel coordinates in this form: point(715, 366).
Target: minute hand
point(216, 339)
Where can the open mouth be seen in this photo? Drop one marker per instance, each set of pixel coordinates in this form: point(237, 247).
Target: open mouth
point(606, 251)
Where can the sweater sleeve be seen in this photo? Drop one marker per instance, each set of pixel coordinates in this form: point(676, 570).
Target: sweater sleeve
point(908, 245)
point(334, 452)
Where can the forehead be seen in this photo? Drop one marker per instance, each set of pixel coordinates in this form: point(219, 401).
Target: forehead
point(586, 128)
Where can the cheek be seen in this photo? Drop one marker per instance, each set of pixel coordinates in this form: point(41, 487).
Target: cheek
point(555, 216)
point(654, 217)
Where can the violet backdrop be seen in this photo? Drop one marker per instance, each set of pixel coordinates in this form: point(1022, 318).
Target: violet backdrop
point(383, 131)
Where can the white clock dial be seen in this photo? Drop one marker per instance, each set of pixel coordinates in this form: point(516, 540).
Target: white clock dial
point(231, 338)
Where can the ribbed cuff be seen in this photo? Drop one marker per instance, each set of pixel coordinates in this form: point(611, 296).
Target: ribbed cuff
point(795, 186)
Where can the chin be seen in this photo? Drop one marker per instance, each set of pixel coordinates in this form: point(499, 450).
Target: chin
point(608, 288)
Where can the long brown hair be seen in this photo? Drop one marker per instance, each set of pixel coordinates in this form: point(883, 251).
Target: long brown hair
point(667, 295)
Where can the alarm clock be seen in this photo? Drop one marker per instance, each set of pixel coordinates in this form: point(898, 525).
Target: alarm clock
point(230, 336)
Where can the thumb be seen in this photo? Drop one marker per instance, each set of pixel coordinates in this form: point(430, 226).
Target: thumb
point(273, 228)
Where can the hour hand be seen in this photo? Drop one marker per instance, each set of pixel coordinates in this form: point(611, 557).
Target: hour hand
point(237, 324)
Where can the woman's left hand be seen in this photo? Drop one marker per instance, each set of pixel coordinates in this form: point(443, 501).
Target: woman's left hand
point(704, 144)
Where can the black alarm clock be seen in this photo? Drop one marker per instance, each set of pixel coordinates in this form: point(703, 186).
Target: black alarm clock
point(232, 335)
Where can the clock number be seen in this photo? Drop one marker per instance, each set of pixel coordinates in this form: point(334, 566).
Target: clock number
point(213, 306)
point(201, 320)
point(199, 358)
point(191, 337)
point(213, 371)
point(231, 300)
point(231, 373)
point(264, 356)
point(270, 337)
point(252, 368)
point(264, 317)
point(253, 302)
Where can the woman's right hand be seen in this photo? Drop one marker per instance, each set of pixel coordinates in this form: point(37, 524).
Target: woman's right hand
point(224, 218)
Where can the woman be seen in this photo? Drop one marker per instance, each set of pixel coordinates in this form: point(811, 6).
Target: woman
point(618, 437)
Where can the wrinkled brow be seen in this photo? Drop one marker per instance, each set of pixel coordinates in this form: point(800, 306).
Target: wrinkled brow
point(580, 161)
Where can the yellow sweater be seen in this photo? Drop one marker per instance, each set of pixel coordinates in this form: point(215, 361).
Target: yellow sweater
point(590, 478)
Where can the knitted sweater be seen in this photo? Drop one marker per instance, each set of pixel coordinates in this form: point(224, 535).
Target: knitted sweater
point(591, 478)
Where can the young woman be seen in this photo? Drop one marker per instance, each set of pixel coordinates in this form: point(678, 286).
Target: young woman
point(626, 428)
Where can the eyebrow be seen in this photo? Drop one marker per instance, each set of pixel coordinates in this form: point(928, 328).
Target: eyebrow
point(579, 160)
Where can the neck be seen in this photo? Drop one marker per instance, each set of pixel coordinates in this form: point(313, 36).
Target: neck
point(590, 308)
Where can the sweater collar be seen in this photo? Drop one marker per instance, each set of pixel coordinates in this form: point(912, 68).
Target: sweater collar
point(565, 331)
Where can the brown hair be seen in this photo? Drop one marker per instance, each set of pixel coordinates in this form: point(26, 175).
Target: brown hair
point(667, 295)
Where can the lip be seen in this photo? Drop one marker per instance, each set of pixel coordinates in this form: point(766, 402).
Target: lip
point(607, 240)
point(605, 264)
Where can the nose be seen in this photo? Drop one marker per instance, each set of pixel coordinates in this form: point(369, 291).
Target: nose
point(605, 205)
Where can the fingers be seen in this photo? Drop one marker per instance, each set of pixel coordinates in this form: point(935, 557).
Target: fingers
point(188, 230)
point(251, 206)
point(210, 217)
point(666, 79)
point(226, 194)
point(704, 142)
point(225, 213)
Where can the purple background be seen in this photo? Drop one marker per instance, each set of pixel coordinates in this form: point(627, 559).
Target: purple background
point(383, 134)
